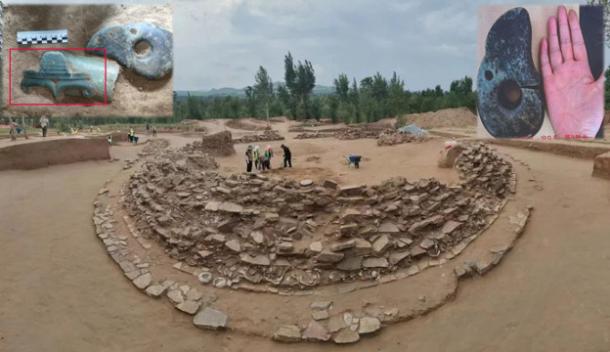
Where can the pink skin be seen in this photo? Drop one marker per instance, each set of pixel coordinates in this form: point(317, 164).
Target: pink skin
point(574, 99)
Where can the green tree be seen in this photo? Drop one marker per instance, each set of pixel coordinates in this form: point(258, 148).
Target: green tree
point(263, 89)
point(342, 87)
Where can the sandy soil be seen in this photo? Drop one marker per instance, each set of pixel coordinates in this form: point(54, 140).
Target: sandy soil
point(133, 94)
point(458, 117)
point(61, 292)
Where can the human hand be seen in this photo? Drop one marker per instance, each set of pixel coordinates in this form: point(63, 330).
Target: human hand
point(574, 99)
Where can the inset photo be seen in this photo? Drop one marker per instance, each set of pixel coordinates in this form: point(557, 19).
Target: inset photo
point(88, 60)
point(540, 72)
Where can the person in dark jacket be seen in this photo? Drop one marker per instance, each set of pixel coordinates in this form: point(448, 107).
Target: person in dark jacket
point(287, 156)
point(249, 159)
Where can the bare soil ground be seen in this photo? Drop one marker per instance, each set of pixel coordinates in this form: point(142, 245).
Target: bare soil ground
point(133, 94)
point(458, 117)
point(61, 292)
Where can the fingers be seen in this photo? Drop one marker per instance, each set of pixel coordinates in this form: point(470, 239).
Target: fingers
point(564, 34)
point(578, 43)
point(553, 43)
point(545, 65)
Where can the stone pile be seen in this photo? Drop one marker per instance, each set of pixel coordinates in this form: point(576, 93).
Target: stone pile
point(253, 229)
point(312, 135)
point(357, 133)
point(218, 144)
point(267, 135)
point(484, 172)
point(392, 137)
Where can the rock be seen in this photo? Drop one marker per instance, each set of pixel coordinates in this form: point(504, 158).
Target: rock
point(155, 290)
point(346, 336)
point(341, 246)
point(204, 253)
point(375, 263)
point(212, 206)
point(230, 207)
point(436, 219)
point(336, 323)
point(255, 260)
point(417, 251)
point(450, 226)
point(330, 184)
point(257, 237)
point(210, 318)
point(189, 307)
point(194, 295)
point(287, 333)
point(285, 247)
point(233, 245)
point(351, 263)
point(143, 281)
point(315, 332)
point(320, 305)
point(388, 227)
point(397, 257)
point(427, 243)
point(327, 256)
point(368, 325)
point(205, 277)
point(362, 246)
point(348, 230)
point(220, 282)
point(175, 296)
point(315, 247)
point(319, 314)
point(351, 215)
point(306, 183)
point(381, 244)
point(348, 191)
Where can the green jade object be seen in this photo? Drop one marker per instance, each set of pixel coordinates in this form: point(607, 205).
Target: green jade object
point(73, 75)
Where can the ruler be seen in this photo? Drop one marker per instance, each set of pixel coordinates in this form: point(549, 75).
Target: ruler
point(43, 37)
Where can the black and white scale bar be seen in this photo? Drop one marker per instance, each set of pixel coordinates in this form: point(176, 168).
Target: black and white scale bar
point(43, 37)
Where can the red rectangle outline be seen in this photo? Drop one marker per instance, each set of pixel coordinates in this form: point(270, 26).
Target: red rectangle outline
point(10, 95)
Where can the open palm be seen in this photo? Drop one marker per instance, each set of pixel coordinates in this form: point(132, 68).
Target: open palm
point(574, 99)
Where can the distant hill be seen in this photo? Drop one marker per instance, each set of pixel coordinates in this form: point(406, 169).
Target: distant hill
point(241, 92)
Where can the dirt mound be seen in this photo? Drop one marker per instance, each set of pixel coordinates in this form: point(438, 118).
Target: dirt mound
point(267, 135)
point(248, 124)
point(53, 152)
point(281, 232)
point(458, 117)
point(218, 144)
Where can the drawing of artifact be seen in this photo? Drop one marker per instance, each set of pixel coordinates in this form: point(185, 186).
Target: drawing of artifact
point(141, 47)
point(510, 97)
point(72, 75)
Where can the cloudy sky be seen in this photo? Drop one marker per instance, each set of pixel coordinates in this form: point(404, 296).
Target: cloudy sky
point(221, 43)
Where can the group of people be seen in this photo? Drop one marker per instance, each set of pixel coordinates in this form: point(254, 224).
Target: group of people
point(261, 159)
point(131, 137)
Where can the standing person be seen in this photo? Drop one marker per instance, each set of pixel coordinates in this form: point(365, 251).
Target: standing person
point(44, 125)
point(13, 130)
point(256, 155)
point(287, 156)
point(249, 159)
point(267, 155)
point(147, 128)
point(131, 134)
point(154, 131)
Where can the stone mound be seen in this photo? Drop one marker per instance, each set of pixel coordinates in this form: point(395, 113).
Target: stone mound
point(218, 144)
point(279, 232)
point(392, 137)
point(267, 135)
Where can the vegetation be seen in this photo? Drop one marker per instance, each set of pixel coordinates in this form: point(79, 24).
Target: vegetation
point(370, 99)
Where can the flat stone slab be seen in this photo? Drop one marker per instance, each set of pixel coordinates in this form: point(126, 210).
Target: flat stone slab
point(143, 281)
point(210, 318)
point(287, 333)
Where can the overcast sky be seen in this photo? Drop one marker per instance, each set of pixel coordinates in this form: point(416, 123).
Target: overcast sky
point(221, 43)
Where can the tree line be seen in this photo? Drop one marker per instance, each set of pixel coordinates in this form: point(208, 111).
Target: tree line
point(366, 100)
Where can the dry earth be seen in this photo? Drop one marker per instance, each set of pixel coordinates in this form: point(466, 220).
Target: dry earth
point(61, 292)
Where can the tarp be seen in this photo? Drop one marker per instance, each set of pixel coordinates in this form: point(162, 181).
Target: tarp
point(413, 129)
